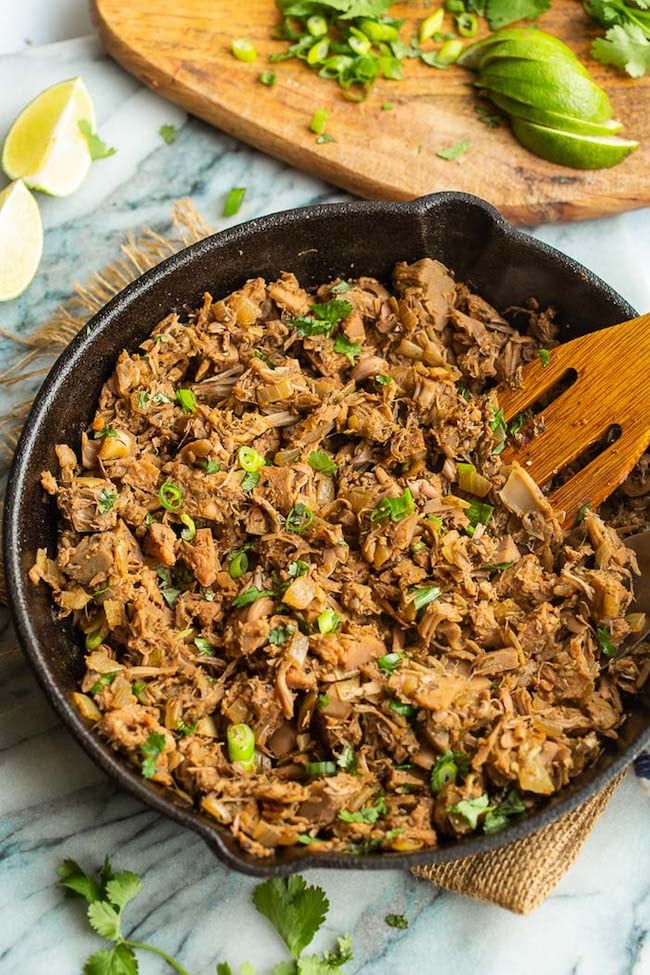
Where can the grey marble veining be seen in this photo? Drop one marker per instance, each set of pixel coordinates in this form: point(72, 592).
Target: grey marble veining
point(55, 803)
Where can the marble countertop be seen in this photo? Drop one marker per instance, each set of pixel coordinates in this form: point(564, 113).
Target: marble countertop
point(55, 803)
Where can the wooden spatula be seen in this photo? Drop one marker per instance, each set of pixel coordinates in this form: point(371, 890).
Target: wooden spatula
point(612, 388)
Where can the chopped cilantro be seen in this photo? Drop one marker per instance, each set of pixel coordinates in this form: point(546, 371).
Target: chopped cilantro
point(106, 500)
point(167, 133)
point(544, 355)
point(397, 920)
point(150, 750)
point(97, 148)
point(322, 319)
point(344, 347)
point(500, 13)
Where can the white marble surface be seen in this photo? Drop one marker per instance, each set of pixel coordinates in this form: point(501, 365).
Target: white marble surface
point(54, 803)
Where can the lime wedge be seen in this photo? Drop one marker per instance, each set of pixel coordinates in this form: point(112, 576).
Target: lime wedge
point(525, 51)
point(549, 86)
point(567, 123)
point(536, 41)
point(571, 149)
point(21, 239)
point(45, 146)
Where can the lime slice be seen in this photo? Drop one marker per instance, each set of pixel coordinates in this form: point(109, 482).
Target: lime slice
point(525, 51)
point(548, 86)
point(571, 149)
point(554, 120)
point(45, 146)
point(21, 239)
point(536, 41)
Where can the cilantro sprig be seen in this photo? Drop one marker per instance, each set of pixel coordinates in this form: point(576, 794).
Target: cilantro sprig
point(295, 909)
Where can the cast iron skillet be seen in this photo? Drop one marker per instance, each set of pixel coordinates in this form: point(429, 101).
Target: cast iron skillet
point(317, 243)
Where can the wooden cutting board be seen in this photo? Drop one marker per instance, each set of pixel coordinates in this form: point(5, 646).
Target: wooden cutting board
point(182, 49)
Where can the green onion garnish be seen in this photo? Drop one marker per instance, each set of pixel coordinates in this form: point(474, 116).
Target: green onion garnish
point(204, 647)
point(383, 380)
point(394, 508)
point(299, 518)
point(328, 621)
point(422, 597)
point(238, 564)
point(103, 681)
point(582, 511)
point(605, 641)
point(447, 769)
point(249, 459)
point(431, 25)
point(268, 78)
point(93, 639)
point(186, 400)
point(170, 496)
point(234, 201)
point(467, 24)
point(544, 355)
point(321, 768)
point(319, 120)
point(389, 662)
point(244, 50)
point(241, 745)
point(189, 531)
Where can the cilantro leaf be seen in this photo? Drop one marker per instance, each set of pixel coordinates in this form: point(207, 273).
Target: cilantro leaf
point(167, 133)
point(122, 888)
point(295, 910)
point(73, 877)
point(626, 47)
point(397, 920)
point(120, 960)
point(150, 750)
point(498, 818)
point(502, 12)
point(471, 809)
point(223, 968)
point(344, 347)
point(323, 317)
point(105, 920)
point(98, 149)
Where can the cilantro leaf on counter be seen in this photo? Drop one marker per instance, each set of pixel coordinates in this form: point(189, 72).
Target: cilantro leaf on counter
point(167, 133)
point(96, 146)
point(295, 910)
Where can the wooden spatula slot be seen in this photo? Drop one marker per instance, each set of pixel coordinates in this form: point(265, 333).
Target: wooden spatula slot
point(611, 393)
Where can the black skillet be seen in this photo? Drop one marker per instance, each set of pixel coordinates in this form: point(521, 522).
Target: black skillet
point(316, 243)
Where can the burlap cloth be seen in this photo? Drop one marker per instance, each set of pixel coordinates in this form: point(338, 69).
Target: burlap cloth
point(517, 877)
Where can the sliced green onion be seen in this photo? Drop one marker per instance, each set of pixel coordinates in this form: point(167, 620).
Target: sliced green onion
point(186, 399)
point(435, 522)
point(431, 25)
point(241, 745)
point(249, 596)
point(268, 78)
point(359, 42)
point(447, 769)
point(238, 564)
point(389, 662)
point(320, 460)
point(318, 52)
point(383, 380)
point(170, 496)
point(544, 355)
point(582, 511)
point(94, 639)
point(103, 681)
point(471, 481)
point(316, 25)
point(328, 621)
point(249, 459)
point(422, 597)
point(467, 24)
point(380, 31)
point(189, 531)
point(244, 50)
point(449, 52)
point(204, 647)
point(479, 513)
point(299, 518)
point(234, 201)
point(321, 768)
point(394, 508)
point(387, 107)
point(319, 120)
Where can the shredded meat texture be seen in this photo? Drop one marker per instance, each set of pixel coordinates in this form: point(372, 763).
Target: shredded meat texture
point(290, 512)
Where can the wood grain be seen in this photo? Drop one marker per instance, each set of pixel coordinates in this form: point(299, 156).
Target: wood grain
point(181, 48)
point(611, 389)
